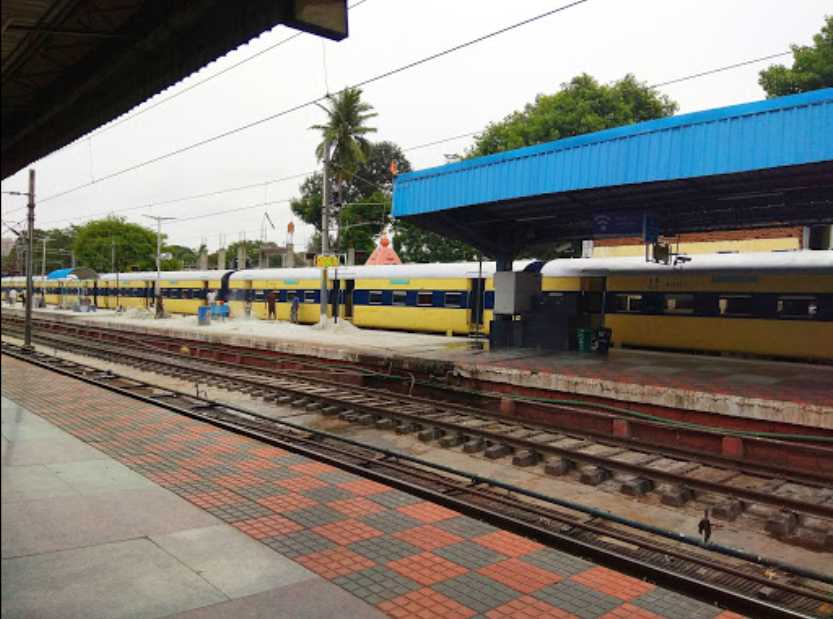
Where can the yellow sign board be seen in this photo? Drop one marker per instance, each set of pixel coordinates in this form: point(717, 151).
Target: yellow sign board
point(326, 261)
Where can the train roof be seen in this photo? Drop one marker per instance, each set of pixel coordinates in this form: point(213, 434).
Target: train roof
point(791, 261)
point(213, 274)
point(281, 273)
point(423, 271)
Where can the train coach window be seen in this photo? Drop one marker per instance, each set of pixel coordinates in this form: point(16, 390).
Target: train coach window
point(425, 299)
point(375, 297)
point(400, 297)
point(309, 296)
point(291, 295)
point(736, 305)
point(454, 299)
point(679, 304)
point(797, 307)
point(631, 303)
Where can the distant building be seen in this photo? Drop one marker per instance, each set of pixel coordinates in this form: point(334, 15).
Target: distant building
point(740, 241)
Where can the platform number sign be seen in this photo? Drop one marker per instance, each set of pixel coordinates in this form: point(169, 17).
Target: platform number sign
point(326, 261)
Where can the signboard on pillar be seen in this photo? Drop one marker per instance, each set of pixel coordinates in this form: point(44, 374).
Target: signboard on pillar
point(326, 261)
point(642, 224)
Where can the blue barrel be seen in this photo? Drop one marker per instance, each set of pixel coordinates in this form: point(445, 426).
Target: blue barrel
point(204, 315)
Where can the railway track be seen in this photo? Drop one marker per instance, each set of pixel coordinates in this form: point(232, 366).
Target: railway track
point(746, 584)
point(793, 506)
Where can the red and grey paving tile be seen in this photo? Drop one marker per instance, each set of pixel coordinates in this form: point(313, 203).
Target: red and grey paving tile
point(406, 556)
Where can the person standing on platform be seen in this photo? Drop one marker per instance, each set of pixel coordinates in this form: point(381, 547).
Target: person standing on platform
point(705, 527)
point(271, 299)
point(12, 296)
point(295, 309)
point(211, 297)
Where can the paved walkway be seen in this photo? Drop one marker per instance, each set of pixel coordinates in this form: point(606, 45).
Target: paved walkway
point(93, 527)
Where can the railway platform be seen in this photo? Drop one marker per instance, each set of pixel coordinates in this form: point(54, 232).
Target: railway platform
point(113, 507)
point(780, 394)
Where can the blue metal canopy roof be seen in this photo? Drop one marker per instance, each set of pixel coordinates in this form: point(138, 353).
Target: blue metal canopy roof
point(786, 131)
point(59, 274)
point(77, 272)
point(766, 163)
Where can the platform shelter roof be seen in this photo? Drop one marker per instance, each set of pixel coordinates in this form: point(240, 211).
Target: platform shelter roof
point(73, 273)
point(757, 164)
point(70, 66)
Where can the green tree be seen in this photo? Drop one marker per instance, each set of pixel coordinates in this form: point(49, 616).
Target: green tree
point(366, 198)
point(413, 244)
point(344, 133)
point(135, 245)
point(812, 67)
point(581, 106)
point(181, 258)
point(58, 251)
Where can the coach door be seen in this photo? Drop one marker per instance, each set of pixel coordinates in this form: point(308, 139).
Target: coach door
point(477, 295)
point(349, 285)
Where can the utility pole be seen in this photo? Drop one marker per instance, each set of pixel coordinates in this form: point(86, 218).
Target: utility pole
point(325, 202)
point(43, 258)
point(325, 228)
point(30, 241)
point(158, 289)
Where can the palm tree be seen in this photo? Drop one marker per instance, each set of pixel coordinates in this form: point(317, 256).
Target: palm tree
point(345, 134)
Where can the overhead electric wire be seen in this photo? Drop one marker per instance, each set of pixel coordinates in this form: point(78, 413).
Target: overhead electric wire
point(129, 117)
point(208, 194)
point(319, 99)
point(720, 69)
point(229, 210)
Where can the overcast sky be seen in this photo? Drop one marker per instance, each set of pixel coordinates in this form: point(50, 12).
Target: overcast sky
point(656, 40)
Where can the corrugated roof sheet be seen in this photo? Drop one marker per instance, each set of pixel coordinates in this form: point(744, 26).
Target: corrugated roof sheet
point(786, 131)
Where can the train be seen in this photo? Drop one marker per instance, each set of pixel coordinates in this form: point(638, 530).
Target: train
point(768, 304)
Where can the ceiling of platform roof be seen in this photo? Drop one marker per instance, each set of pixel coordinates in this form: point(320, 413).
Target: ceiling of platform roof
point(70, 66)
point(759, 164)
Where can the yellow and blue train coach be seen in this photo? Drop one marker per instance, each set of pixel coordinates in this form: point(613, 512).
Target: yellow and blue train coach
point(455, 299)
point(183, 292)
point(775, 304)
point(439, 298)
point(253, 286)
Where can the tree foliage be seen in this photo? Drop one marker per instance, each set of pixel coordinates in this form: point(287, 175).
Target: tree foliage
point(582, 105)
point(58, 251)
point(345, 134)
point(414, 244)
point(812, 67)
point(366, 200)
point(135, 245)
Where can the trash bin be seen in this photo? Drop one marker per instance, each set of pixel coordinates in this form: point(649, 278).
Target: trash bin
point(584, 338)
point(204, 315)
point(603, 337)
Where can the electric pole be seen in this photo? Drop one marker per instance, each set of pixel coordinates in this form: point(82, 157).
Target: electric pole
point(30, 241)
point(325, 227)
point(158, 288)
point(43, 258)
point(325, 202)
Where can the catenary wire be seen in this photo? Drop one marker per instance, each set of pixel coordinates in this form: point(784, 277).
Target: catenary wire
point(454, 137)
point(318, 99)
point(236, 65)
